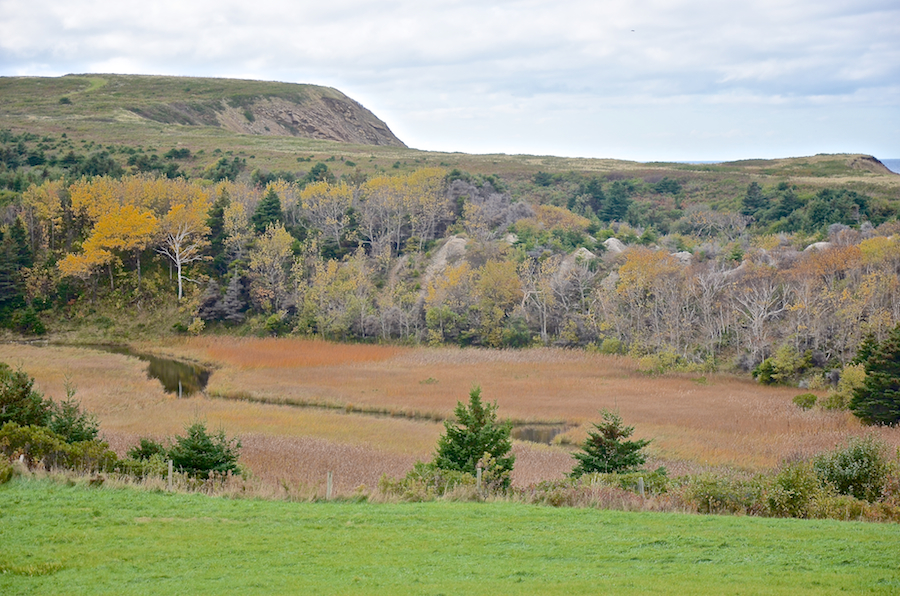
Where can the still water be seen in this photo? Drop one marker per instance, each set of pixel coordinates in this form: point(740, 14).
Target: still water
point(181, 378)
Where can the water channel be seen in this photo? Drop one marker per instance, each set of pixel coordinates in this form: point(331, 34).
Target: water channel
point(181, 378)
point(185, 379)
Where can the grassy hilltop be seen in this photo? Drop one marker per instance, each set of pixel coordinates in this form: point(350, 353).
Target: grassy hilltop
point(273, 125)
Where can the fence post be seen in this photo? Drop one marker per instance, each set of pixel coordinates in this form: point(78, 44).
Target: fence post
point(641, 486)
point(478, 478)
point(328, 487)
point(169, 478)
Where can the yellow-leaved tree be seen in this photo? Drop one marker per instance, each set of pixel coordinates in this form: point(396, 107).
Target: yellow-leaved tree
point(183, 233)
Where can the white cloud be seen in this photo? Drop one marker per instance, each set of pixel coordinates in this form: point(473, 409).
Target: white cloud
point(545, 76)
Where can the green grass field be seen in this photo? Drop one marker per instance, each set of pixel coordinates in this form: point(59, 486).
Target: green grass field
point(58, 539)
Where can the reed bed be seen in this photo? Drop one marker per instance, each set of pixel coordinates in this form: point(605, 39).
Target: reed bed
point(696, 423)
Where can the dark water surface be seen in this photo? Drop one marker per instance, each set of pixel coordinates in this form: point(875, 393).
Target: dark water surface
point(181, 378)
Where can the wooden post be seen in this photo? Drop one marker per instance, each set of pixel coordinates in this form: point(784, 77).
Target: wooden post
point(478, 478)
point(169, 480)
point(641, 486)
point(328, 487)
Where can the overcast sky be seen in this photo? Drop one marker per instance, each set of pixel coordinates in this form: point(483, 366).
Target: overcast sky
point(634, 79)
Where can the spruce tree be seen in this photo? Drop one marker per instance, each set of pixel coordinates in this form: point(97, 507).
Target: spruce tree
point(754, 201)
point(878, 400)
point(475, 432)
point(606, 450)
point(217, 235)
point(268, 212)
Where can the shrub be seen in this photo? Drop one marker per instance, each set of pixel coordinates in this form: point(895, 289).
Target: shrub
point(656, 482)
point(475, 433)
point(154, 465)
point(852, 378)
point(606, 450)
point(426, 482)
point(860, 469)
point(33, 442)
point(793, 491)
point(7, 471)
point(201, 455)
point(722, 494)
point(68, 421)
point(146, 449)
point(19, 402)
point(40, 444)
point(782, 367)
point(805, 401)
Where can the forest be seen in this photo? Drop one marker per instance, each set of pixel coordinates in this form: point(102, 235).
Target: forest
point(784, 280)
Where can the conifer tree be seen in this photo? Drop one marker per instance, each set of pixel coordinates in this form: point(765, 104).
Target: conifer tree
point(878, 400)
point(475, 433)
point(268, 212)
point(606, 450)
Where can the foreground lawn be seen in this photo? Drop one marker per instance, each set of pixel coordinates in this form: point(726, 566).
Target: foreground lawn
point(57, 539)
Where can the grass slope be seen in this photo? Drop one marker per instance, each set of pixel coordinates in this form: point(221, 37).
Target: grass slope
point(60, 539)
point(104, 109)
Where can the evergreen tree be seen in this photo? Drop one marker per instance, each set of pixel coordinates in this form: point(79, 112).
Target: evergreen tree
point(754, 201)
point(201, 455)
point(268, 212)
point(19, 402)
point(617, 202)
point(878, 400)
point(236, 300)
point(11, 296)
point(606, 450)
point(217, 235)
point(475, 433)
point(22, 247)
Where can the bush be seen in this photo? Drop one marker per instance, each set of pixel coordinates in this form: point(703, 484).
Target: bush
point(860, 469)
point(853, 377)
point(722, 494)
point(475, 433)
point(656, 482)
point(805, 401)
point(7, 471)
point(40, 444)
point(154, 465)
point(794, 491)
point(146, 449)
point(19, 402)
point(427, 482)
point(201, 455)
point(68, 421)
point(606, 450)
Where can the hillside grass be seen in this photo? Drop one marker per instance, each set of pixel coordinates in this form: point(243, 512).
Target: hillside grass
point(100, 107)
point(60, 539)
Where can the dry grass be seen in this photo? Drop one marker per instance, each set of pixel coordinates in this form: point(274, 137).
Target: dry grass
point(695, 424)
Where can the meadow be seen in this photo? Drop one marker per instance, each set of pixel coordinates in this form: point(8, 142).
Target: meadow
point(369, 410)
point(76, 540)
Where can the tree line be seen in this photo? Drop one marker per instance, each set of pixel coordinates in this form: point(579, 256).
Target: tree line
point(444, 257)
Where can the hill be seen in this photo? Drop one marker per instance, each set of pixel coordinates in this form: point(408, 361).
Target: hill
point(236, 106)
point(278, 127)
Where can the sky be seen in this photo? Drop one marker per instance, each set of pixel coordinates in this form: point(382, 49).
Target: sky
point(643, 80)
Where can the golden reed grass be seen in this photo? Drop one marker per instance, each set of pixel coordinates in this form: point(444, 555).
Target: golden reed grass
point(695, 423)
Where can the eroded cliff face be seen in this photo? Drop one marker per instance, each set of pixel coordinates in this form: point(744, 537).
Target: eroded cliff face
point(329, 118)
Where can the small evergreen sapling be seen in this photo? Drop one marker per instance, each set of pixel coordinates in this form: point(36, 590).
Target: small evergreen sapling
point(202, 455)
point(606, 450)
point(476, 433)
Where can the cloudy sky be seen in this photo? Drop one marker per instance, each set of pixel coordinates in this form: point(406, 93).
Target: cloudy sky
point(632, 79)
